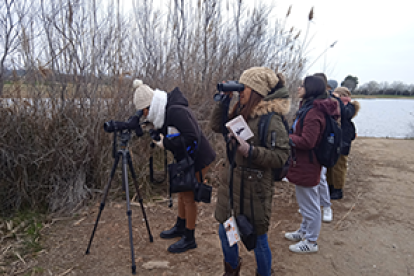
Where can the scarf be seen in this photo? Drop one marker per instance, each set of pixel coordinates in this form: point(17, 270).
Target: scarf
point(156, 113)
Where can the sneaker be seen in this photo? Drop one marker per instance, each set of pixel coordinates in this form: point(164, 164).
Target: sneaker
point(304, 247)
point(327, 214)
point(294, 236)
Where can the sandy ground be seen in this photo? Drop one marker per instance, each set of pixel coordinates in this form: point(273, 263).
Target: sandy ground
point(372, 231)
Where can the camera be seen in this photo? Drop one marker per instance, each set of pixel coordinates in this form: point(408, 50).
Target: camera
point(229, 86)
point(131, 124)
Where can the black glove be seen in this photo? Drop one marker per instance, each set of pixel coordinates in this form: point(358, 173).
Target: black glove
point(133, 123)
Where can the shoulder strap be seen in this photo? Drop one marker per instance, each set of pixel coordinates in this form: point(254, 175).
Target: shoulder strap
point(264, 126)
point(264, 123)
point(302, 118)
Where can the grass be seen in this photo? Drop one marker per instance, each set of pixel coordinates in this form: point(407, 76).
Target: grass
point(25, 227)
point(357, 96)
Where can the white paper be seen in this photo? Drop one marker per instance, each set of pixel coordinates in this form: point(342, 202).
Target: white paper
point(232, 231)
point(239, 128)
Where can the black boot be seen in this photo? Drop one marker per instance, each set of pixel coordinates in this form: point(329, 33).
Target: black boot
point(336, 194)
point(176, 231)
point(331, 188)
point(187, 242)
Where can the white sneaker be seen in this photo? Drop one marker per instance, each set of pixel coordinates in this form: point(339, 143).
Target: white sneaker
point(294, 236)
point(327, 214)
point(304, 247)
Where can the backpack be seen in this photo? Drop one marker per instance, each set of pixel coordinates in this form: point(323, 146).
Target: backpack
point(278, 173)
point(329, 148)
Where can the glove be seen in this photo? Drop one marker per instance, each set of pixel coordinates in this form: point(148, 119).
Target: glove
point(243, 147)
point(160, 143)
point(133, 122)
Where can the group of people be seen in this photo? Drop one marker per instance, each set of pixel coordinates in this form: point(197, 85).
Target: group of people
point(249, 184)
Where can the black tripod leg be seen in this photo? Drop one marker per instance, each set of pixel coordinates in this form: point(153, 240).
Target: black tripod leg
point(131, 168)
point(103, 201)
point(129, 212)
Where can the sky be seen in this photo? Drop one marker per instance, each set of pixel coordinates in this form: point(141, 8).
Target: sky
point(375, 39)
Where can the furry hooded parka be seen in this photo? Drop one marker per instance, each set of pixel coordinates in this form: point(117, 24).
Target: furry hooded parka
point(258, 176)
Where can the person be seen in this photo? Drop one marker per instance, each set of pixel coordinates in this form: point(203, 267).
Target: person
point(264, 92)
point(331, 85)
point(169, 113)
point(305, 171)
point(324, 189)
point(336, 176)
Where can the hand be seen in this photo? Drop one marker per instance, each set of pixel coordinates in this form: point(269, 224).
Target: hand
point(243, 147)
point(160, 143)
point(133, 122)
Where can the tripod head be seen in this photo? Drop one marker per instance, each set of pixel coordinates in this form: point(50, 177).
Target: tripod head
point(125, 136)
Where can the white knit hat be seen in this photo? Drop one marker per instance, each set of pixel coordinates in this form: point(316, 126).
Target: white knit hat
point(143, 94)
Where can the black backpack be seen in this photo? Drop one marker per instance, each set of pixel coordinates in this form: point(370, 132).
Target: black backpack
point(329, 148)
point(278, 173)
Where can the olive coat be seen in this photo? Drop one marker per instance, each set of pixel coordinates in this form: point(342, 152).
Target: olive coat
point(258, 177)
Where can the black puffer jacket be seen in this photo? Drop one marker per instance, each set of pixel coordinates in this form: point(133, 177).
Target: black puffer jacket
point(179, 115)
point(348, 112)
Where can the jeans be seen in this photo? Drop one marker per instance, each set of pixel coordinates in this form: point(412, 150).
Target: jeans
point(262, 253)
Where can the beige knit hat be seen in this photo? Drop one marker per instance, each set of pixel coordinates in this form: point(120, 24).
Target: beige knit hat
point(343, 91)
point(260, 79)
point(143, 94)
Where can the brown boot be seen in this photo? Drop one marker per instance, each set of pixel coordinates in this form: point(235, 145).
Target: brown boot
point(229, 271)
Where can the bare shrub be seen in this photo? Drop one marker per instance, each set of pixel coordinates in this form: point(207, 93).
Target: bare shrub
point(78, 62)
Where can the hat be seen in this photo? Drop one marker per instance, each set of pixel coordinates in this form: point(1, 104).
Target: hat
point(343, 91)
point(143, 94)
point(332, 84)
point(260, 79)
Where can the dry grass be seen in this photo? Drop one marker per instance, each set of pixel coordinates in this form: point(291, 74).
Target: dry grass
point(54, 153)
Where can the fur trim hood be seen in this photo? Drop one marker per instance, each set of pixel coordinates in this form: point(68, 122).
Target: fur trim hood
point(278, 105)
point(357, 107)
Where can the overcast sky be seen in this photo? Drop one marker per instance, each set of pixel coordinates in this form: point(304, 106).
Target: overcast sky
point(375, 38)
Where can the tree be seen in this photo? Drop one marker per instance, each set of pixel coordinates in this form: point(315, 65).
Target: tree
point(351, 82)
point(12, 25)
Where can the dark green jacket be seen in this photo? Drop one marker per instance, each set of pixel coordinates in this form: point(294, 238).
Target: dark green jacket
point(263, 160)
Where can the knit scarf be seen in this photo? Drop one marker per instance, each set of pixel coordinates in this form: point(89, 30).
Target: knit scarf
point(156, 113)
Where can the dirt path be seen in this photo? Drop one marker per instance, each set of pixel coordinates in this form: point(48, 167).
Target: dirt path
point(372, 231)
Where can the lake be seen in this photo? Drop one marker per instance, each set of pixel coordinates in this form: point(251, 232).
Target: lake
point(385, 118)
point(392, 118)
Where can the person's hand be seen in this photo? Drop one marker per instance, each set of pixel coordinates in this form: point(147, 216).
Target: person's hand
point(160, 143)
point(243, 147)
point(133, 122)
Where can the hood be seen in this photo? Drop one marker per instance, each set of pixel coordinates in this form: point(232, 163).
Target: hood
point(176, 97)
point(328, 106)
point(282, 92)
point(357, 106)
point(278, 105)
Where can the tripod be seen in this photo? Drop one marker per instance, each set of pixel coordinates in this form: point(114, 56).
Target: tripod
point(126, 158)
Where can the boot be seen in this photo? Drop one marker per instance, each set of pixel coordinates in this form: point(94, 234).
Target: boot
point(187, 242)
point(229, 271)
point(336, 194)
point(331, 188)
point(176, 231)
